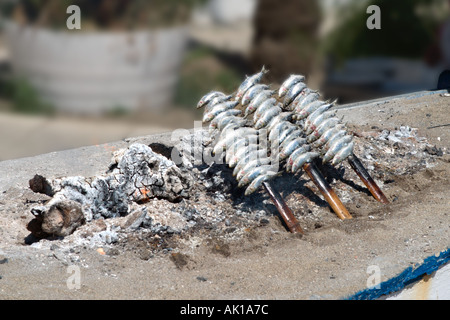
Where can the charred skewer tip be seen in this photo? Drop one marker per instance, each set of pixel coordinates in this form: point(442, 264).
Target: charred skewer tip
point(286, 213)
point(365, 177)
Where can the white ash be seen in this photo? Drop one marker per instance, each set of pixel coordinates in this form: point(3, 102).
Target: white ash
point(404, 135)
point(395, 151)
point(104, 237)
point(97, 196)
point(137, 174)
point(191, 191)
point(141, 168)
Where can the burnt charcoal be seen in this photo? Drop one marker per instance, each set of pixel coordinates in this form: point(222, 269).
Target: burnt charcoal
point(60, 219)
point(40, 185)
point(433, 150)
point(139, 174)
point(162, 149)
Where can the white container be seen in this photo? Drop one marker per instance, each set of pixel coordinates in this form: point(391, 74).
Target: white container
point(232, 11)
point(93, 72)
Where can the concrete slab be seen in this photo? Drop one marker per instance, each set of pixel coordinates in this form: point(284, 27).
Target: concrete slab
point(337, 260)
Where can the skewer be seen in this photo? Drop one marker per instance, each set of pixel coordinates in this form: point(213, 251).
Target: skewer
point(326, 190)
point(365, 177)
point(337, 151)
point(284, 211)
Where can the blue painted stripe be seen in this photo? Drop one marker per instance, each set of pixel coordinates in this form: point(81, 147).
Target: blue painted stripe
point(408, 276)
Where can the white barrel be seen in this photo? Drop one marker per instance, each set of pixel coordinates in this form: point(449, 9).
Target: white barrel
point(93, 72)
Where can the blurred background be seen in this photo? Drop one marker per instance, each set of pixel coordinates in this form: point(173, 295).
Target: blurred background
point(139, 67)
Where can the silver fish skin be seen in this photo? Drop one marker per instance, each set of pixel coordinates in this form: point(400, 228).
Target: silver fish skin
point(252, 92)
point(243, 152)
point(302, 159)
point(259, 98)
point(292, 136)
point(240, 146)
point(339, 134)
point(229, 114)
point(233, 148)
point(233, 131)
point(297, 100)
point(249, 82)
point(335, 147)
point(259, 154)
point(267, 116)
point(263, 107)
point(240, 122)
point(313, 123)
point(276, 131)
point(215, 101)
point(327, 135)
point(216, 110)
point(251, 165)
point(293, 92)
point(229, 128)
point(300, 97)
point(294, 155)
point(255, 172)
point(289, 82)
point(208, 97)
point(241, 141)
point(256, 183)
point(226, 136)
point(289, 148)
point(343, 154)
point(302, 112)
point(320, 110)
point(316, 134)
point(286, 133)
point(283, 116)
point(247, 157)
point(311, 97)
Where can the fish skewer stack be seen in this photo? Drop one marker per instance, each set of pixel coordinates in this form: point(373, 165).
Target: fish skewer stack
point(235, 135)
point(287, 138)
point(325, 133)
point(241, 145)
point(300, 128)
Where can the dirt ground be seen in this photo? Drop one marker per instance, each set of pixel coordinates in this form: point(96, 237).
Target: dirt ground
point(243, 251)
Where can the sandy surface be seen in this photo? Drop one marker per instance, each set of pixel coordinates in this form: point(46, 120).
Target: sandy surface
point(257, 260)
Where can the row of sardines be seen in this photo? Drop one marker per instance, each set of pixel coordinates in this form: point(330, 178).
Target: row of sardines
point(261, 131)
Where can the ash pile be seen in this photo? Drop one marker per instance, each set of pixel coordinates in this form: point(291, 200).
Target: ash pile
point(160, 193)
point(151, 191)
point(157, 192)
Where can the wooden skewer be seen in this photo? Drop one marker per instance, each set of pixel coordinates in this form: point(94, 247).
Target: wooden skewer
point(365, 177)
point(285, 212)
point(326, 190)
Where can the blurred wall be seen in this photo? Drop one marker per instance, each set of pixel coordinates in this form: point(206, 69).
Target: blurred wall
point(286, 37)
point(134, 76)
